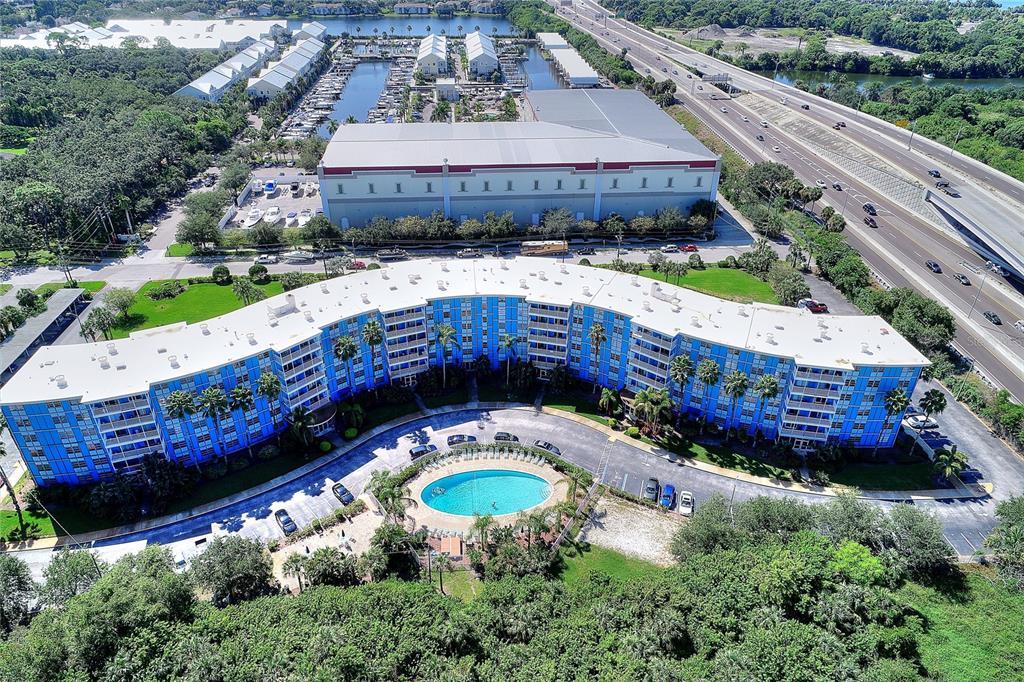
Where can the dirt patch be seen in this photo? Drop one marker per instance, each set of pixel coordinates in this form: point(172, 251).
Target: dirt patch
point(758, 41)
point(633, 530)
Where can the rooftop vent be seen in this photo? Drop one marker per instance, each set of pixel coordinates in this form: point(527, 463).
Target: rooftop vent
point(864, 347)
point(770, 338)
point(440, 284)
point(384, 274)
point(586, 291)
point(112, 348)
point(309, 316)
point(824, 335)
point(885, 332)
point(522, 284)
point(648, 307)
point(564, 270)
point(821, 324)
point(104, 363)
point(173, 359)
point(161, 350)
point(323, 287)
point(252, 338)
point(634, 280)
point(444, 266)
point(543, 277)
point(694, 320)
point(504, 265)
point(61, 381)
point(365, 297)
point(742, 311)
point(412, 279)
point(205, 328)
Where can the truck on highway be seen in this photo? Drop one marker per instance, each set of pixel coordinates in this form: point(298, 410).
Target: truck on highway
point(552, 247)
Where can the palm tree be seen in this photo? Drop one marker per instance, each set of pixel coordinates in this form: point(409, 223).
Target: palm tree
point(445, 336)
point(610, 401)
point(241, 399)
point(508, 344)
point(597, 336)
point(949, 463)
point(932, 402)
point(408, 28)
point(181, 405)
point(301, 422)
point(345, 349)
point(373, 336)
point(896, 402)
point(680, 371)
point(459, 29)
point(10, 489)
point(213, 403)
point(767, 389)
point(708, 374)
point(651, 406)
point(481, 526)
point(268, 387)
point(563, 508)
point(442, 563)
point(294, 567)
point(534, 522)
point(735, 386)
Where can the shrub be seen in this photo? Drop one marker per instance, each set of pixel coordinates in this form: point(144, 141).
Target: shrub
point(267, 452)
point(258, 273)
point(373, 266)
point(167, 290)
point(633, 432)
point(237, 463)
point(325, 446)
point(585, 261)
point(613, 423)
point(350, 433)
point(218, 468)
point(221, 275)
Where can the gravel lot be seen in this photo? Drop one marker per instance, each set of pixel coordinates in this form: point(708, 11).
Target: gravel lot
point(632, 530)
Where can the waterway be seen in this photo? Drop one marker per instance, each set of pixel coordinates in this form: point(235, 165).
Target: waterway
point(540, 73)
point(360, 94)
point(812, 78)
point(411, 25)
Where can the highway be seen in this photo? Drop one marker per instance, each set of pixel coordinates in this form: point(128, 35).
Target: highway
point(897, 250)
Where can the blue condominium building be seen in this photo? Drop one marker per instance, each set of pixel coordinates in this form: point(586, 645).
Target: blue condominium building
point(84, 413)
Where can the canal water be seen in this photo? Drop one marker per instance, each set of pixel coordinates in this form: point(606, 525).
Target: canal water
point(540, 73)
point(411, 25)
point(361, 93)
point(812, 78)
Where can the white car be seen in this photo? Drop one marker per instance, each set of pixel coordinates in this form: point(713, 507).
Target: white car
point(820, 183)
point(746, 120)
point(305, 216)
point(253, 217)
point(669, 248)
point(1019, 325)
point(724, 110)
point(777, 149)
point(311, 189)
point(273, 215)
point(685, 504)
point(919, 422)
point(266, 259)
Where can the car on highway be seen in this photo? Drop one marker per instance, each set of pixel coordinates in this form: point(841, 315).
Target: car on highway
point(284, 520)
point(784, 100)
point(468, 253)
point(664, 69)
point(647, 70)
point(418, 451)
point(821, 183)
point(544, 445)
point(689, 248)
point(951, 192)
point(668, 496)
point(746, 120)
point(963, 279)
point(460, 438)
point(935, 173)
point(299, 257)
point(342, 493)
point(506, 437)
point(586, 251)
point(997, 268)
point(837, 127)
point(870, 222)
point(816, 307)
point(266, 259)
point(933, 266)
point(669, 248)
point(919, 422)
point(941, 183)
point(837, 187)
point(676, 73)
point(842, 124)
point(358, 265)
point(685, 504)
point(805, 106)
point(764, 124)
point(760, 138)
point(1019, 325)
point(993, 317)
point(651, 490)
point(777, 149)
point(870, 208)
point(724, 110)
point(700, 87)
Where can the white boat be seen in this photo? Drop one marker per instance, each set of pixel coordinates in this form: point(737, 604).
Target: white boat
point(305, 216)
point(273, 215)
point(253, 217)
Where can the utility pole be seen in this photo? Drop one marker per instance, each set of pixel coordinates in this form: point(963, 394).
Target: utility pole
point(952, 147)
point(913, 128)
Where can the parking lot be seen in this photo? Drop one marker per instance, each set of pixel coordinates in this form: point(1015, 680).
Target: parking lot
point(306, 199)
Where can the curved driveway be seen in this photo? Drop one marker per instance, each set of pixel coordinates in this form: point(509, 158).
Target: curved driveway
point(966, 522)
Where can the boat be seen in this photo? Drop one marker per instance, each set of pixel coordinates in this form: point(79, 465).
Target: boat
point(273, 215)
point(392, 254)
point(253, 217)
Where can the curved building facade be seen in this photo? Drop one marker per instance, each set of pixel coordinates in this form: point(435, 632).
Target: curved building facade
point(87, 412)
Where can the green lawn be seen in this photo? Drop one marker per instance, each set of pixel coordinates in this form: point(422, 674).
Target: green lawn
point(459, 396)
point(460, 583)
point(4, 288)
point(38, 526)
point(199, 302)
point(75, 521)
point(17, 151)
point(583, 559)
point(729, 283)
point(719, 455)
point(380, 414)
point(238, 481)
point(180, 250)
point(577, 404)
point(90, 286)
point(973, 634)
point(908, 476)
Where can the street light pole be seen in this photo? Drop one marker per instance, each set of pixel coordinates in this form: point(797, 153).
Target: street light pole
point(984, 278)
point(913, 128)
point(956, 139)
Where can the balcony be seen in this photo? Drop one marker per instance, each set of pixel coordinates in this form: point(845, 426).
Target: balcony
point(405, 345)
point(651, 338)
point(126, 424)
point(807, 421)
point(651, 382)
point(548, 326)
point(828, 393)
point(409, 371)
point(314, 365)
point(806, 435)
point(808, 375)
point(406, 317)
point(558, 314)
point(107, 410)
point(417, 327)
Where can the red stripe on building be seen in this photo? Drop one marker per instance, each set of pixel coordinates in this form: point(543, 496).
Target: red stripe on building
point(468, 168)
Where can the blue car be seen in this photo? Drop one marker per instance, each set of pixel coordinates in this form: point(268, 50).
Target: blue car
point(668, 496)
point(269, 187)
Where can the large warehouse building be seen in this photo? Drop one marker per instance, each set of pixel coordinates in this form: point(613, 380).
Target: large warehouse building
point(87, 412)
point(595, 152)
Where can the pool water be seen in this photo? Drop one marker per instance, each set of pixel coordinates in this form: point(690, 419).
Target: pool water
point(489, 491)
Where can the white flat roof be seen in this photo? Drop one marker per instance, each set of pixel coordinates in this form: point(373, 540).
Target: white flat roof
point(479, 45)
point(158, 355)
point(550, 40)
point(576, 69)
point(433, 45)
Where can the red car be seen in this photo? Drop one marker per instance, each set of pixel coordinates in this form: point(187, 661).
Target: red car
point(688, 248)
point(816, 307)
point(358, 265)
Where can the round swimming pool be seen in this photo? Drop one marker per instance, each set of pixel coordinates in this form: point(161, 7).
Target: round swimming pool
point(490, 491)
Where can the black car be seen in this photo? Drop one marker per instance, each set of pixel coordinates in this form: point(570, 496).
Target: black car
point(962, 278)
point(285, 522)
point(837, 187)
point(586, 251)
point(934, 173)
point(760, 138)
point(933, 266)
point(993, 318)
point(651, 490)
point(421, 450)
point(342, 493)
point(544, 445)
point(506, 437)
point(460, 438)
point(805, 106)
point(870, 208)
point(869, 221)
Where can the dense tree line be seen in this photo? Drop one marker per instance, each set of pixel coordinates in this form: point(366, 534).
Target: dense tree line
point(111, 146)
point(992, 48)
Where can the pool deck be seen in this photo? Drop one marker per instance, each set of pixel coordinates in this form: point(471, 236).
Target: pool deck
point(424, 516)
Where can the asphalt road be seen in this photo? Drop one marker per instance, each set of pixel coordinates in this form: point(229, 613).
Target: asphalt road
point(627, 467)
point(897, 250)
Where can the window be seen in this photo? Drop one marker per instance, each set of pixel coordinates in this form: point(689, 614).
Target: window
point(462, 186)
point(643, 183)
point(370, 189)
point(536, 184)
point(508, 185)
point(583, 183)
point(341, 188)
point(430, 188)
point(558, 184)
point(487, 185)
point(615, 183)
point(668, 183)
point(398, 188)
point(700, 181)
